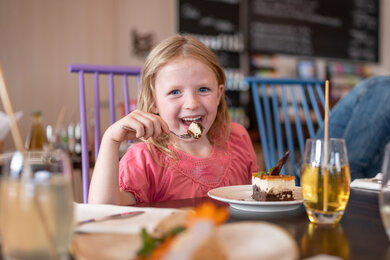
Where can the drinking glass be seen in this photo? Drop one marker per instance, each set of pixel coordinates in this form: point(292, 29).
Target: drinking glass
point(36, 205)
point(325, 179)
point(384, 194)
point(4, 159)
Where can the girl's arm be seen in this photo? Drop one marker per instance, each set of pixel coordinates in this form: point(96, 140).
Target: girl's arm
point(104, 188)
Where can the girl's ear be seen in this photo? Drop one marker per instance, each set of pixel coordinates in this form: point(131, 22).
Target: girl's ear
point(221, 88)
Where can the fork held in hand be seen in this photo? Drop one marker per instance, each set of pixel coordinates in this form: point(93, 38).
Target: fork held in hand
point(183, 136)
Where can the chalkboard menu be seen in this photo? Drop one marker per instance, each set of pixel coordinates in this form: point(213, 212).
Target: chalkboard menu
point(209, 17)
point(345, 29)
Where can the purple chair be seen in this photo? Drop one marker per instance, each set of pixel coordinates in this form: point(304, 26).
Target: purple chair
point(96, 70)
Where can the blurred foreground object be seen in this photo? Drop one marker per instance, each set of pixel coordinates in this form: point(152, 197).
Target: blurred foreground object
point(193, 236)
point(36, 205)
point(5, 126)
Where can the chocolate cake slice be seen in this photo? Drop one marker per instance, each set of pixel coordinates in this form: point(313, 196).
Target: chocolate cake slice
point(273, 186)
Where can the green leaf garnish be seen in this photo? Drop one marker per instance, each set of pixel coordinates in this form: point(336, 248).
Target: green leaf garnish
point(259, 173)
point(149, 243)
point(264, 172)
point(175, 231)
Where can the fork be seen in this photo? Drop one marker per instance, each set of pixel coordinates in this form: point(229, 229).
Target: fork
point(183, 136)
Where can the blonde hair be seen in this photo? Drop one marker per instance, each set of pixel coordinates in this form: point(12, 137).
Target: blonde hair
point(169, 49)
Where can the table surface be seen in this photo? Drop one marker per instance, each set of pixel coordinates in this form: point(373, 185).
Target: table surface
point(359, 235)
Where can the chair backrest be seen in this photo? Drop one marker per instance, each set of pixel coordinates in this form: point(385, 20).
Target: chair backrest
point(96, 70)
point(287, 111)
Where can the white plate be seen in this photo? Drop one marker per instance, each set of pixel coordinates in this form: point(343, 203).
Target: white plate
point(240, 197)
point(245, 240)
point(257, 240)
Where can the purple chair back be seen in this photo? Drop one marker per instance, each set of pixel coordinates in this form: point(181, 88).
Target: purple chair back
point(96, 70)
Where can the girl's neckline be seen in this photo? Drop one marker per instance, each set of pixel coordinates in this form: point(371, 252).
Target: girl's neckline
point(180, 152)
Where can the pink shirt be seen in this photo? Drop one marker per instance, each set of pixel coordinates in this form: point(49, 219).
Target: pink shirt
point(187, 176)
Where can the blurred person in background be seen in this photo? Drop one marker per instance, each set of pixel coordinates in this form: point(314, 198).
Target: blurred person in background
point(362, 118)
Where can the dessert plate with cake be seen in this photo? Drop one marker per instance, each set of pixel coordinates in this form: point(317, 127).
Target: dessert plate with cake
point(240, 197)
point(270, 192)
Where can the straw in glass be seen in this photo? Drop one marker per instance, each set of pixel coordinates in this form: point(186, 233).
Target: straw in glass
point(325, 169)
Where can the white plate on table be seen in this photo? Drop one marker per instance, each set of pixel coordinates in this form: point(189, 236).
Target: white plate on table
point(247, 240)
point(257, 240)
point(240, 197)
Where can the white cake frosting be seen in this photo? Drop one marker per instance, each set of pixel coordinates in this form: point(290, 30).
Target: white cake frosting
point(195, 130)
point(274, 185)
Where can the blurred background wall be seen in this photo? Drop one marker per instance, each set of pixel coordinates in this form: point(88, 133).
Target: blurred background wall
point(40, 38)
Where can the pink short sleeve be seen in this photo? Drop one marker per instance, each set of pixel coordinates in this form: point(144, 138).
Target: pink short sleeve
point(137, 173)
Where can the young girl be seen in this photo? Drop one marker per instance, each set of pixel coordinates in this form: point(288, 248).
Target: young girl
point(181, 82)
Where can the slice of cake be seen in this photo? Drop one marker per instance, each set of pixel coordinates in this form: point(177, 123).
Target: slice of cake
point(195, 130)
point(268, 187)
point(273, 186)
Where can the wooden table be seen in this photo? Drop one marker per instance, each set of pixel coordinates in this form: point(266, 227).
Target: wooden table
point(360, 234)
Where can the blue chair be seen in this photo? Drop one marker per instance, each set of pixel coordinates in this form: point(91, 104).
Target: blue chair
point(287, 111)
point(97, 70)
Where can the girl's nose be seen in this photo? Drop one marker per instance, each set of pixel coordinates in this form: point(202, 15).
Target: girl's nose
point(191, 101)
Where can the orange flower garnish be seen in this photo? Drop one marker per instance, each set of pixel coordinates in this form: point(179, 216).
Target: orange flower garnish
point(208, 211)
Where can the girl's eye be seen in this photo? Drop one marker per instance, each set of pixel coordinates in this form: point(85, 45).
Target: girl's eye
point(174, 92)
point(204, 89)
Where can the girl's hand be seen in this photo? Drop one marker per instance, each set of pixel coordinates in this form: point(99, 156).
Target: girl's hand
point(144, 124)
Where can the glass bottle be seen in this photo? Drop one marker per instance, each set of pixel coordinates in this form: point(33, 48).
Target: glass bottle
point(36, 139)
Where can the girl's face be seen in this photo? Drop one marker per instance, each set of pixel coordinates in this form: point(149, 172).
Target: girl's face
point(187, 90)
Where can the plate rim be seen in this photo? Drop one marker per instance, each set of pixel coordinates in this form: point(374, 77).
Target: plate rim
point(251, 203)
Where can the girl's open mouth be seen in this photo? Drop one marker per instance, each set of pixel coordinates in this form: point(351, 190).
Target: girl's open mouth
point(188, 120)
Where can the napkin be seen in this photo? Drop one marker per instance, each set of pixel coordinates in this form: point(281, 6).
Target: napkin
point(131, 225)
point(373, 184)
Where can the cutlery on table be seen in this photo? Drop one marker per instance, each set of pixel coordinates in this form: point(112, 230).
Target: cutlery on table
point(110, 217)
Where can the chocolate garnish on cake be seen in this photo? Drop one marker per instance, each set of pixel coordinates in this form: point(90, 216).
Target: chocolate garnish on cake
point(279, 165)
